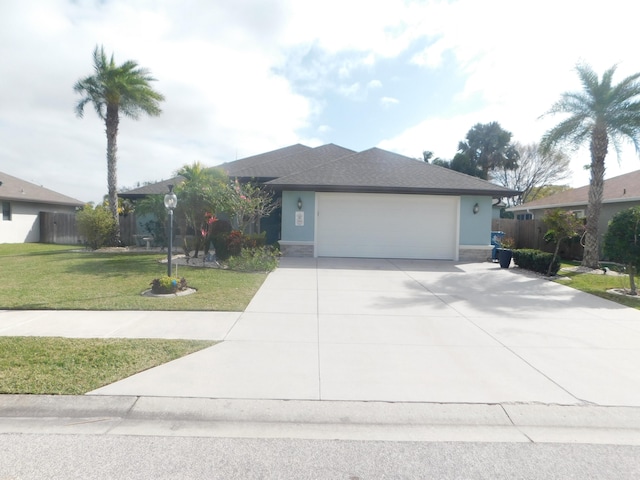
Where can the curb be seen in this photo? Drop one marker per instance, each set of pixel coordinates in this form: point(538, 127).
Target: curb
point(335, 420)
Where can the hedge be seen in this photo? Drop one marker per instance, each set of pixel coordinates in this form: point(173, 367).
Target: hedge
point(535, 260)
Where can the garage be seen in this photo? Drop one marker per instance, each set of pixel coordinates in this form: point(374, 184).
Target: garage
point(378, 225)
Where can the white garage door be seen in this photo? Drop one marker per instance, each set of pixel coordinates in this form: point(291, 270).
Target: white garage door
point(376, 225)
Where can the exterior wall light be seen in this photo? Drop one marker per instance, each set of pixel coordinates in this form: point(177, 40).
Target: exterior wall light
point(299, 203)
point(476, 208)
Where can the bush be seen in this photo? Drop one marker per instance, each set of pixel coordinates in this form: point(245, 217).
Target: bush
point(536, 260)
point(254, 240)
point(263, 259)
point(166, 285)
point(235, 242)
point(220, 231)
point(96, 225)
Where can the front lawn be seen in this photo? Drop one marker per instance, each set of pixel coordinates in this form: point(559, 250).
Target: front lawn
point(73, 366)
point(38, 276)
point(598, 284)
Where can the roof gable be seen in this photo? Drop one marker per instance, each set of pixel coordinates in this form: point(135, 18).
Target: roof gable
point(13, 188)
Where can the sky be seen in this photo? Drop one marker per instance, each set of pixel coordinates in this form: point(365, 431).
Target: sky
point(242, 77)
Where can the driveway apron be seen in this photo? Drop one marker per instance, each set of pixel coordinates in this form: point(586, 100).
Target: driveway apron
point(416, 331)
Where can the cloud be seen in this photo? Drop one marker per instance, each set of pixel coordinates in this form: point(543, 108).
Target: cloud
point(388, 101)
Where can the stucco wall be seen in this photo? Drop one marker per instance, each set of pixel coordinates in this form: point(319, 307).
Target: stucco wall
point(475, 228)
point(474, 231)
point(24, 226)
point(291, 231)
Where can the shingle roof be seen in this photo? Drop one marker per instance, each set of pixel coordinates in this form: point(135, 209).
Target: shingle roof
point(13, 188)
point(257, 166)
point(623, 188)
point(377, 170)
point(291, 163)
point(159, 188)
point(334, 168)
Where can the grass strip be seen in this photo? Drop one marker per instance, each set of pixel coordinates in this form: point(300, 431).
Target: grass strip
point(72, 366)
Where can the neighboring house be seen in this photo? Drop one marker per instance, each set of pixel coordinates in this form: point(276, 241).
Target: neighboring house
point(375, 203)
point(620, 193)
point(22, 202)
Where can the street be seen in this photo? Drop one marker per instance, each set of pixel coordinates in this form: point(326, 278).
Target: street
point(37, 456)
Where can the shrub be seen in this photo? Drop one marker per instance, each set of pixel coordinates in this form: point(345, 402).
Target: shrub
point(263, 259)
point(536, 261)
point(166, 285)
point(96, 225)
point(254, 240)
point(621, 242)
point(220, 231)
point(234, 242)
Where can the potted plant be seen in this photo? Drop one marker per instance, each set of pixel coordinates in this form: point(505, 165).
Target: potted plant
point(505, 251)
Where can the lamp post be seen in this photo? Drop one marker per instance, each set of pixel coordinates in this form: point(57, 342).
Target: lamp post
point(170, 202)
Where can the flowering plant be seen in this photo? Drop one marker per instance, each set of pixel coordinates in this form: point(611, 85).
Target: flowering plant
point(166, 285)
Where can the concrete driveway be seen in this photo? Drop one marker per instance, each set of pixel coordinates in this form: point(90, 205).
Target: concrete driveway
point(411, 331)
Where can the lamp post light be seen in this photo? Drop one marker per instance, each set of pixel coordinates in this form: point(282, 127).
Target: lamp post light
point(170, 202)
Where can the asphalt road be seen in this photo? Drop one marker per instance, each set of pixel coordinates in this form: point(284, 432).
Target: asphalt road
point(28, 456)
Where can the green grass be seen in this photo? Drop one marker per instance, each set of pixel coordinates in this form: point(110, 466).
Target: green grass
point(598, 285)
point(70, 366)
point(54, 277)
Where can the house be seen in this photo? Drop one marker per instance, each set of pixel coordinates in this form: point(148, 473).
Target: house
point(340, 203)
point(619, 193)
point(22, 203)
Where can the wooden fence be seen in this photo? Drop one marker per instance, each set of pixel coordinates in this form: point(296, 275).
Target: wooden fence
point(530, 234)
point(61, 228)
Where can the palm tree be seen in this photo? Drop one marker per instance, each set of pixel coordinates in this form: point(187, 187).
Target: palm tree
point(115, 89)
point(601, 113)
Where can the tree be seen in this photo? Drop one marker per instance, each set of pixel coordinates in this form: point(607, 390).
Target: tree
point(463, 163)
point(250, 204)
point(203, 191)
point(622, 242)
point(600, 113)
point(114, 90)
point(535, 171)
point(562, 225)
point(487, 147)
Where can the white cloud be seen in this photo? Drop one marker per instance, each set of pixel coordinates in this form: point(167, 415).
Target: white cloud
point(388, 101)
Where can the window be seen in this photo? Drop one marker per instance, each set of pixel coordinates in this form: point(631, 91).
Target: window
point(524, 216)
point(6, 211)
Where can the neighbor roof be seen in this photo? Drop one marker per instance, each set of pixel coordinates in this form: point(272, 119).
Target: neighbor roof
point(159, 188)
point(13, 188)
point(377, 170)
point(623, 188)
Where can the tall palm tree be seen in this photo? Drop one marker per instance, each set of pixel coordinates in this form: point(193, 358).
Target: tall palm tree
point(115, 89)
point(601, 113)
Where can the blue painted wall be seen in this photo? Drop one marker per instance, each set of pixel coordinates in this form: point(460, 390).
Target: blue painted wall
point(475, 229)
point(290, 231)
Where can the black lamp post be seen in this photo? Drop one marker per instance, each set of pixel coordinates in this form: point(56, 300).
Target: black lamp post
point(170, 202)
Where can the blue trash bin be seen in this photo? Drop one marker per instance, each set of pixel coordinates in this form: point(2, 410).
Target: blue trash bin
point(496, 241)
